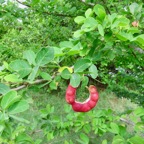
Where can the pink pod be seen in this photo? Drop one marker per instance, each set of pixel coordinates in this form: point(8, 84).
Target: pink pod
point(70, 94)
point(80, 107)
point(94, 96)
point(91, 103)
point(85, 106)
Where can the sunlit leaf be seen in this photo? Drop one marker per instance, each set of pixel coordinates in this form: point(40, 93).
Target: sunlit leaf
point(81, 65)
point(44, 56)
point(75, 80)
point(9, 99)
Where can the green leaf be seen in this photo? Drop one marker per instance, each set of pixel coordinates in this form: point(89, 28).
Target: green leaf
point(133, 8)
point(133, 30)
point(44, 56)
point(121, 21)
point(79, 19)
point(114, 128)
point(12, 78)
point(2, 127)
point(58, 52)
point(66, 44)
point(19, 119)
point(101, 30)
point(65, 74)
point(78, 33)
point(81, 65)
point(75, 80)
point(112, 17)
point(89, 24)
point(9, 98)
point(23, 138)
point(87, 128)
point(88, 13)
point(111, 55)
point(30, 56)
point(34, 2)
point(45, 76)
point(18, 107)
point(50, 136)
point(139, 39)
point(4, 89)
point(136, 140)
point(85, 81)
point(139, 111)
point(20, 66)
point(84, 138)
point(76, 49)
point(104, 141)
point(93, 71)
point(100, 11)
point(124, 36)
point(53, 85)
point(118, 140)
point(3, 117)
point(33, 73)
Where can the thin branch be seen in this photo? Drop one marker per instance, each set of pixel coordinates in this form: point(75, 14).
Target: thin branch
point(59, 14)
point(127, 121)
point(48, 13)
point(23, 3)
point(25, 85)
point(132, 52)
point(19, 88)
point(91, 4)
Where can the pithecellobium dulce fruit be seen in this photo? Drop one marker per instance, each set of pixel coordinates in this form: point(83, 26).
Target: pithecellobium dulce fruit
point(85, 106)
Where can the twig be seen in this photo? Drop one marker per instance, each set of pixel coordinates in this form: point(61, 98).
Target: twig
point(25, 85)
point(91, 4)
point(48, 13)
point(59, 14)
point(127, 121)
point(23, 3)
point(19, 88)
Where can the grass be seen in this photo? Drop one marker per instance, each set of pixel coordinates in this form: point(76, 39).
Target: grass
point(39, 99)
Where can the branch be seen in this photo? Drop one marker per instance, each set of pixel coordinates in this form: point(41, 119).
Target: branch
point(91, 4)
point(23, 3)
point(127, 121)
point(25, 85)
point(19, 88)
point(48, 13)
point(132, 52)
point(59, 14)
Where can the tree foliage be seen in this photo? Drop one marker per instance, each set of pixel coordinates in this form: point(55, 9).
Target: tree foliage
point(78, 41)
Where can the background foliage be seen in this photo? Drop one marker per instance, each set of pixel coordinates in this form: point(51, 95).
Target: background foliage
point(84, 42)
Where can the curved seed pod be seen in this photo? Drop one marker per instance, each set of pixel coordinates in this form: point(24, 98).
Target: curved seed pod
point(81, 107)
point(85, 106)
point(94, 96)
point(70, 94)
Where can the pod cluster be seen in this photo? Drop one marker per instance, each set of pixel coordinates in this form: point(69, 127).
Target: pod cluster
point(85, 106)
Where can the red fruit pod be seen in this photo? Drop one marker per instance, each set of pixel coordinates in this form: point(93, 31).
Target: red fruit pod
point(80, 107)
point(94, 96)
point(85, 106)
point(70, 94)
point(91, 103)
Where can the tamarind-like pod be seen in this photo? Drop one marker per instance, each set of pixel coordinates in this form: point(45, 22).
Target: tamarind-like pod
point(85, 106)
point(80, 107)
point(89, 104)
point(70, 94)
